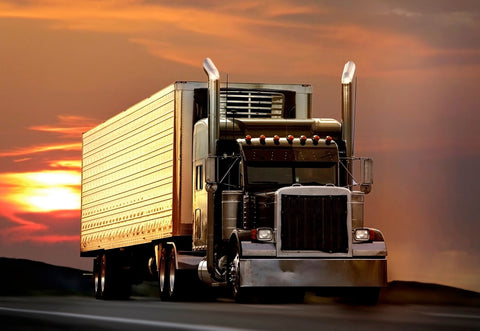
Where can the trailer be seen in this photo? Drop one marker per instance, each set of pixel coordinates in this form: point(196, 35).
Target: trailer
point(231, 185)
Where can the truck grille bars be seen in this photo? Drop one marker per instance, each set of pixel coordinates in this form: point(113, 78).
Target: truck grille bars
point(314, 223)
point(251, 104)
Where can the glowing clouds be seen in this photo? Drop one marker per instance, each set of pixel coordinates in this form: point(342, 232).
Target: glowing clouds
point(40, 206)
point(68, 126)
point(40, 185)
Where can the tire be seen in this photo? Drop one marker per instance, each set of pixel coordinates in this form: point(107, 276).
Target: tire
point(104, 276)
point(96, 277)
point(234, 276)
point(168, 274)
point(172, 274)
point(113, 281)
point(163, 274)
point(177, 284)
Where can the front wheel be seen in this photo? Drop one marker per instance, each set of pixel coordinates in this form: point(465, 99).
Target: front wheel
point(234, 276)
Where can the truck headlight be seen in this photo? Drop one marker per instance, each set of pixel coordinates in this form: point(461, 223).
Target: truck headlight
point(361, 235)
point(264, 234)
point(367, 234)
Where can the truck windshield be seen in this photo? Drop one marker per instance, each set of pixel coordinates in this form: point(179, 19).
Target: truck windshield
point(282, 174)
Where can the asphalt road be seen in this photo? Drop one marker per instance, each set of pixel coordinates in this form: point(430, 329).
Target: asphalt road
point(139, 313)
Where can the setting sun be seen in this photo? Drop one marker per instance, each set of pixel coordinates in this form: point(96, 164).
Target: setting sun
point(43, 191)
point(55, 198)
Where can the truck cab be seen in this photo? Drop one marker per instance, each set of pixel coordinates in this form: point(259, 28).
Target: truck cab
point(285, 204)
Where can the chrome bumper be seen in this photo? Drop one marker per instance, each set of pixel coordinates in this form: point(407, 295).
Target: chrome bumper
point(313, 272)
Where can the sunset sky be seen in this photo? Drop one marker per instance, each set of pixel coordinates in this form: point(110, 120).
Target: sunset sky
point(66, 66)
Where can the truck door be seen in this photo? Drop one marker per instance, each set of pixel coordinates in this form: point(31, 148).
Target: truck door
point(200, 196)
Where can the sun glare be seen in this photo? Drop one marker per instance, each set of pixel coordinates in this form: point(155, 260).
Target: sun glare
point(54, 198)
point(43, 191)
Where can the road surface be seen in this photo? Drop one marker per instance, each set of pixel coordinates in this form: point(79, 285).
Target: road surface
point(139, 313)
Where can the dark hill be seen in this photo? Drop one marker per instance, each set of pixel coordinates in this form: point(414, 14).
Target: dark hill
point(25, 277)
point(403, 292)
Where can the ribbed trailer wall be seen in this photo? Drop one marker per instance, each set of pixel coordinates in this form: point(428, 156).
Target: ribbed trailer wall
point(128, 176)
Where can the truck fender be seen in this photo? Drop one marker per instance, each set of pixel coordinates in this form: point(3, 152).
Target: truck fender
point(237, 237)
point(235, 241)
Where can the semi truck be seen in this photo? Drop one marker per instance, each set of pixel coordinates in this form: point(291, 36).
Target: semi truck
point(232, 186)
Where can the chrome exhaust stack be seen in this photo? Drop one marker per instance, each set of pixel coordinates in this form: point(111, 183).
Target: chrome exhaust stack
point(348, 119)
point(213, 105)
point(213, 136)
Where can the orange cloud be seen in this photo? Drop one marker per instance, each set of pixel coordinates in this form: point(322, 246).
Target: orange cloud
point(22, 160)
point(72, 164)
point(183, 33)
point(53, 239)
point(14, 227)
point(18, 227)
point(68, 126)
point(40, 149)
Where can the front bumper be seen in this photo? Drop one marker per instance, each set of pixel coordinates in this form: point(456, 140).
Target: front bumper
point(266, 272)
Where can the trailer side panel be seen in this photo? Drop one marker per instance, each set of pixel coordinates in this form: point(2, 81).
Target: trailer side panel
point(127, 177)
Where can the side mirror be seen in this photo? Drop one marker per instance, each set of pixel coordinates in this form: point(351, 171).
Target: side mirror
point(367, 178)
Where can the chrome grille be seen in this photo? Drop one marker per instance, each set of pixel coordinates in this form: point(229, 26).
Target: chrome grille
point(314, 223)
point(251, 104)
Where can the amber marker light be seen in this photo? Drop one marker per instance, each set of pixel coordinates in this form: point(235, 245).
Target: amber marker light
point(262, 139)
point(248, 139)
point(290, 138)
point(315, 139)
point(303, 139)
point(328, 140)
point(276, 139)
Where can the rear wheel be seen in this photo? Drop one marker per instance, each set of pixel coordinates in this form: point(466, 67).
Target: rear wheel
point(104, 278)
point(96, 277)
point(167, 273)
point(111, 281)
point(172, 273)
point(162, 273)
